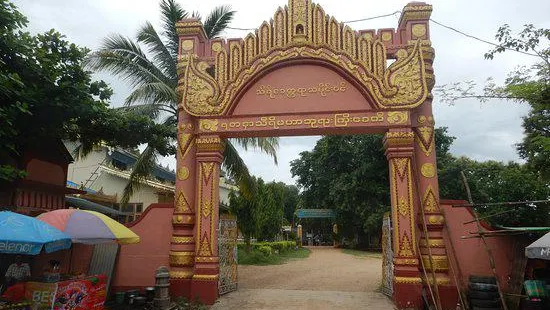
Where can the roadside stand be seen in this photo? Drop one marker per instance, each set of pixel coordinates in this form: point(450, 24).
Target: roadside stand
point(23, 236)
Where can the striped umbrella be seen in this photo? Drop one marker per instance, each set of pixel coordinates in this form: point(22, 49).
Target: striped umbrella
point(89, 227)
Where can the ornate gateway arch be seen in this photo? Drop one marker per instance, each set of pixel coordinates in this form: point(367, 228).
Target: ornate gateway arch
point(304, 73)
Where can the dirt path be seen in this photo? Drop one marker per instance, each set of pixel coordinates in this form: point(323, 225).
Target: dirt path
point(327, 279)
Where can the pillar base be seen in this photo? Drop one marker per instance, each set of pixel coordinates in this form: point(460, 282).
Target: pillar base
point(204, 291)
point(408, 295)
point(180, 288)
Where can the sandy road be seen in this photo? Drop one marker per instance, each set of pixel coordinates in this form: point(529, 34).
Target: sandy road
point(327, 279)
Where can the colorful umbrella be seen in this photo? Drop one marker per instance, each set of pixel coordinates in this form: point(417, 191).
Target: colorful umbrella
point(21, 234)
point(89, 227)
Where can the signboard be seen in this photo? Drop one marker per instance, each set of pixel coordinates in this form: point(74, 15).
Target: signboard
point(40, 294)
point(89, 293)
point(315, 213)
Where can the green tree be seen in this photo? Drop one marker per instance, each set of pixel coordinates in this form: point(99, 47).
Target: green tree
point(525, 85)
point(350, 175)
point(261, 213)
point(47, 96)
point(153, 76)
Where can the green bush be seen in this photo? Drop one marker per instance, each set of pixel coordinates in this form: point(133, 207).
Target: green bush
point(265, 249)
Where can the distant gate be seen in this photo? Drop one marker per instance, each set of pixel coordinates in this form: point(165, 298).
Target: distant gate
point(387, 256)
point(227, 249)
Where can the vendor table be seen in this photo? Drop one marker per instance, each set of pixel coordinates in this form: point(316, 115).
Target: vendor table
point(78, 294)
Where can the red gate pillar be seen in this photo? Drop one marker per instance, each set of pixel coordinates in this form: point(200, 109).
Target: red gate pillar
point(428, 189)
point(182, 250)
point(407, 282)
point(206, 271)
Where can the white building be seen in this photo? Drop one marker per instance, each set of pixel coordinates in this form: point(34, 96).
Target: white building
point(108, 171)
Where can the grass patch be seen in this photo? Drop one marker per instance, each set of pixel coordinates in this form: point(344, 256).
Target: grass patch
point(255, 257)
point(362, 253)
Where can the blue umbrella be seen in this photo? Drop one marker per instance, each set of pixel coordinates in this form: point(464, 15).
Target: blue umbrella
point(21, 234)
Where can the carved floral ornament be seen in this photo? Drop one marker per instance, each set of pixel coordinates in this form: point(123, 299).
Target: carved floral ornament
point(304, 31)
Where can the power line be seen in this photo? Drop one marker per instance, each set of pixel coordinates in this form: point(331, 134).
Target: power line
point(479, 39)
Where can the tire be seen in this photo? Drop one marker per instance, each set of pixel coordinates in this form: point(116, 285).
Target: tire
point(483, 279)
point(485, 303)
point(484, 287)
point(483, 295)
point(482, 308)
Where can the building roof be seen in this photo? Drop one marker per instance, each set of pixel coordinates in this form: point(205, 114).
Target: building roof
point(130, 159)
point(126, 175)
point(92, 206)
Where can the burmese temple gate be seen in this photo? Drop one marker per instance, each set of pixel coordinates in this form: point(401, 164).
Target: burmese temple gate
point(304, 73)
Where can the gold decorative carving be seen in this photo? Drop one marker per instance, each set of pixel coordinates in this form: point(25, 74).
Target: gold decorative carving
point(403, 206)
point(406, 261)
point(216, 46)
point(187, 45)
point(440, 279)
point(418, 31)
point(181, 258)
point(405, 246)
point(182, 219)
point(181, 274)
point(207, 169)
point(425, 137)
point(429, 201)
point(208, 124)
point(206, 208)
point(183, 173)
point(421, 119)
point(441, 262)
point(399, 138)
point(413, 11)
point(205, 277)
point(428, 170)
point(182, 204)
point(401, 165)
point(436, 219)
point(209, 144)
point(407, 280)
point(386, 36)
point(432, 243)
point(204, 249)
point(207, 259)
point(182, 240)
point(401, 85)
point(398, 117)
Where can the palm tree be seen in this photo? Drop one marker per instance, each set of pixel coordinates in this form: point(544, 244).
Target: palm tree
point(153, 77)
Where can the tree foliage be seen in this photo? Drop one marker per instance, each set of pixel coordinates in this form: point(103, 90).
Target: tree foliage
point(149, 65)
point(530, 85)
point(261, 214)
point(46, 95)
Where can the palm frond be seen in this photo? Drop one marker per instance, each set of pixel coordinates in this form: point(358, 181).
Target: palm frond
point(141, 169)
point(237, 170)
point(268, 145)
point(154, 93)
point(150, 110)
point(217, 21)
point(123, 57)
point(171, 12)
point(161, 55)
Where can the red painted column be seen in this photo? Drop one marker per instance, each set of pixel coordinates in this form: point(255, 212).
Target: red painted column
point(407, 281)
point(206, 271)
point(182, 249)
point(428, 189)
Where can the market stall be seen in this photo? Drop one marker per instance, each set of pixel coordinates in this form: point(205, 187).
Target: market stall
point(24, 235)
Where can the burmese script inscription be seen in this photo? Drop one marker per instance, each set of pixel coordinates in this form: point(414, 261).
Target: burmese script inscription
point(321, 89)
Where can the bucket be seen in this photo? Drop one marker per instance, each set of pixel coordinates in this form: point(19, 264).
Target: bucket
point(119, 298)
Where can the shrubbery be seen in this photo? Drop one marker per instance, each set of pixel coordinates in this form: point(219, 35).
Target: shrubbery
point(269, 253)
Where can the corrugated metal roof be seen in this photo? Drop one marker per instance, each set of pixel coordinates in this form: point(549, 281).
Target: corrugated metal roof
point(92, 206)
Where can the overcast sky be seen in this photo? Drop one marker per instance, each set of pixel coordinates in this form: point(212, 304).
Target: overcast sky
point(484, 131)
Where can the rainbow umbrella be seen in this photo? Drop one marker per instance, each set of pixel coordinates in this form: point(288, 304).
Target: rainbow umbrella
point(89, 227)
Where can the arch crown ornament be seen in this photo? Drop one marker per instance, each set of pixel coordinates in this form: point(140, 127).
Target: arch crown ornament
point(215, 73)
